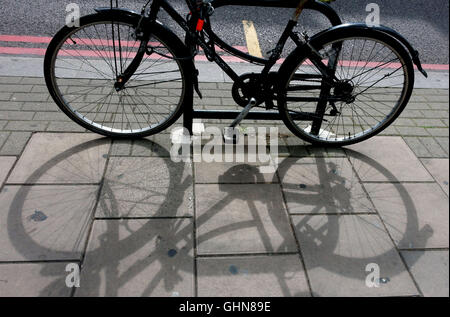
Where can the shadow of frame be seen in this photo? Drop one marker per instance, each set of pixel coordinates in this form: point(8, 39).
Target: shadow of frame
point(165, 243)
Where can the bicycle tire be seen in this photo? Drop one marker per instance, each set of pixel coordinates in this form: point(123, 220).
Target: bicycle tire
point(298, 57)
point(159, 32)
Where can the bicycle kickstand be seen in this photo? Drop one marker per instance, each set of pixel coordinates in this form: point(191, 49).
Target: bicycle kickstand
point(229, 135)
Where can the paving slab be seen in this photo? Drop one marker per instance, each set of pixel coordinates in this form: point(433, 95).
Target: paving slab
point(322, 185)
point(147, 146)
point(139, 258)
point(51, 116)
point(3, 137)
point(232, 173)
point(209, 72)
point(16, 115)
point(255, 276)
point(416, 215)
point(417, 147)
point(433, 147)
point(121, 147)
point(45, 222)
point(318, 151)
point(6, 163)
point(22, 66)
point(337, 250)
point(438, 168)
point(443, 142)
point(30, 126)
point(33, 279)
point(242, 218)
point(5, 96)
point(15, 143)
point(39, 106)
point(386, 159)
point(155, 145)
point(146, 187)
point(63, 126)
point(430, 270)
point(70, 158)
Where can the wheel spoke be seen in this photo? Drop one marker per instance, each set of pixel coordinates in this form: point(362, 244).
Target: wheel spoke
point(86, 66)
point(371, 84)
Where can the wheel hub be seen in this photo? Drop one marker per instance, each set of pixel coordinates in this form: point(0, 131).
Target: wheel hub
point(344, 89)
point(119, 84)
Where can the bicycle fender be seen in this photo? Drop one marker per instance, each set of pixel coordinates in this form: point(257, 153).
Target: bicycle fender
point(127, 12)
point(397, 36)
point(414, 53)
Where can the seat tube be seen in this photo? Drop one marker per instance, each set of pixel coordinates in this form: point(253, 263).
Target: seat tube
point(298, 11)
point(154, 9)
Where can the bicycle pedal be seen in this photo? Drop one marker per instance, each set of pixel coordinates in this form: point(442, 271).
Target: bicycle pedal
point(229, 135)
point(243, 113)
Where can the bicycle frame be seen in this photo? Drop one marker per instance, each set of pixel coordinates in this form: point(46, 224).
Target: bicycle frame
point(321, 7)
point(275, 89)
point(157, 5)
point(263, 82)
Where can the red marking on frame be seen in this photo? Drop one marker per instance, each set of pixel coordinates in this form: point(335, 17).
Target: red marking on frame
point(200, 24)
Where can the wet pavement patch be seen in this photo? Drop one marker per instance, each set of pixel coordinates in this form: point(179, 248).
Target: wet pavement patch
point(172, 253)
point(38, 216)
point(233, 270)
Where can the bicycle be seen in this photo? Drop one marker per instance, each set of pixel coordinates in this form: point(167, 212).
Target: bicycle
point(338, 87)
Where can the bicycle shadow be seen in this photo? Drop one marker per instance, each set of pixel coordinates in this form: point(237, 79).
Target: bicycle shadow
point(128, 255)
point(335, 223)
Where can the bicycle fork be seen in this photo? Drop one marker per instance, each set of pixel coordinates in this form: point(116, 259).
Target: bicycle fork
point(125, 76)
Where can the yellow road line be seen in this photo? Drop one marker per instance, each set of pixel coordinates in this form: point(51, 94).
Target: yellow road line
point(252, 38)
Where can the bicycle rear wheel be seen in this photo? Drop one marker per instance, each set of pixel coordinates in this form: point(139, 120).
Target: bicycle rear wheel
point(375, 78)
point(82, 66)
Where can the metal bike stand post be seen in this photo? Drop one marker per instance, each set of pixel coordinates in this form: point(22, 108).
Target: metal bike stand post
point(190, 113)
point(112, 4)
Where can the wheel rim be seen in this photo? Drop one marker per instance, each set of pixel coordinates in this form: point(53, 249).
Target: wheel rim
point(85, 68)
point(379, 82)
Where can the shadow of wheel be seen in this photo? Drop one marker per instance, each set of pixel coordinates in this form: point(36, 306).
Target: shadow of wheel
point(28, 247)
point(329, 231)
point(324, 236)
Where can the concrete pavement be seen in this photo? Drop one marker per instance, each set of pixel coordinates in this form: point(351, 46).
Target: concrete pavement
point(139, 224)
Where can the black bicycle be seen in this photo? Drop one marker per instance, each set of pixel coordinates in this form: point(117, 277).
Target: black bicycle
point(124, 74)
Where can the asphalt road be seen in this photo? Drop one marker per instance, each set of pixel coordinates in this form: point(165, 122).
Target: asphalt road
point(424, 23)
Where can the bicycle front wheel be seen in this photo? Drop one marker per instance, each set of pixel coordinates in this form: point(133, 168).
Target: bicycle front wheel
point(374, 81)
point(83, 64)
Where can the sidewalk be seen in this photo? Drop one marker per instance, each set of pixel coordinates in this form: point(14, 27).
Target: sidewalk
point(140, 224)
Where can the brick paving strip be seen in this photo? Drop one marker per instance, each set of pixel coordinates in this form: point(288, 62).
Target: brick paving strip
point(140, 224)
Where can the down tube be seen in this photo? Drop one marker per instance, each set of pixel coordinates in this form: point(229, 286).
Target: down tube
point(217, 59)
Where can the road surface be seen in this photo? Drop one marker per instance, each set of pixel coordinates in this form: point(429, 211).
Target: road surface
point(424, 23)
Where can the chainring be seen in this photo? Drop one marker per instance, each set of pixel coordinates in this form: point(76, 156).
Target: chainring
point(251, 89)
point(242, 93)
